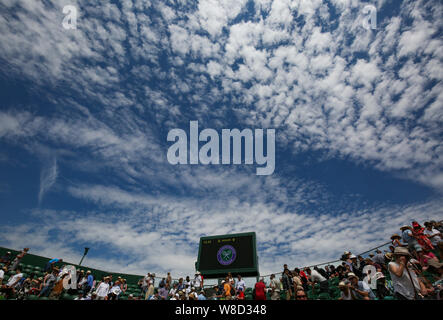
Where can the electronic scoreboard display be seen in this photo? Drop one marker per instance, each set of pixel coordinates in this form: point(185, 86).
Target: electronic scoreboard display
point(235, 253)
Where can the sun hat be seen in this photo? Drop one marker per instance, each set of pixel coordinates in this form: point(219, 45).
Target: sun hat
point(352, 275)
point(388, 255)
point(342, 284)
point(353, 256)
point(404, 227)
point(400, 251)
point(395, 236)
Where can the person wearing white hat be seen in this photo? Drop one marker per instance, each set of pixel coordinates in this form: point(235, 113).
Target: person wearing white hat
point(345, 291)
point(404, 280)
point(198, 280)
point(360, 289)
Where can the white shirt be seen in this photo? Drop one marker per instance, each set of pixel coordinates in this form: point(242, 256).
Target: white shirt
point(102, 289)
point(197, 281)
point(14, 279)
point(241, 284)
point(435, 239)
point(316, 276)
point(346, 297)
point(116, 290)
point(172, 291)
point(403, 284)
point(2, 274)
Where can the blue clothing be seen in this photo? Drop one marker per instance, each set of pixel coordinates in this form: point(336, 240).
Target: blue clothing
point(201, 297)
point(90, 280)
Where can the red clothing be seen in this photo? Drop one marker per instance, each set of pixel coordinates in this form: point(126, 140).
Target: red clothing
point(260, 291)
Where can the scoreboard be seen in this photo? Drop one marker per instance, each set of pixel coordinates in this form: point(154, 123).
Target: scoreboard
point(235, 253)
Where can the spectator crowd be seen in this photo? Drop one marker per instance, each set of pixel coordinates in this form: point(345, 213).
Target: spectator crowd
point(410, 270)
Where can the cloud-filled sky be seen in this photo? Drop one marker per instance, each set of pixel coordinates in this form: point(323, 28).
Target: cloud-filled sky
point(85, 112)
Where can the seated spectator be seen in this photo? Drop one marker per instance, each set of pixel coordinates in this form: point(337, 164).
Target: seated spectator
point(115, 291)
point(2, 274)
point(300, 295)
point(13, 283)
point(434, 235)
point(360, 289)
point(202, 295)
point(345, 291)
point(430, 262)
point(395, 238)
point(240, 294)
point(6, 259)
point(422, 239)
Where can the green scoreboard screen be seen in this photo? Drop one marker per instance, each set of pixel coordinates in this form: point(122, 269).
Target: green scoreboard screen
point(235, 253)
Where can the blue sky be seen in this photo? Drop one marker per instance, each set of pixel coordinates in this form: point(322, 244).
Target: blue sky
point(84, 116)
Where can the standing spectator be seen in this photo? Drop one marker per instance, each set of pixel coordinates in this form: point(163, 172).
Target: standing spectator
point(103, 289)
point(198, 280)
point(355, 265)
point(260, 288)
point(227, 288)
point(409, 238)
point(241, 285)
point(163, 292)
point(51, 263)
point(287, 283)
point(169, 279)
point(18, 258)
point(124, 286)
point(296, 280)
point(150, 291)
point(89, 283)
point(48, 283)
point(405, 281)
point(275, 288)
point(145, 282)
